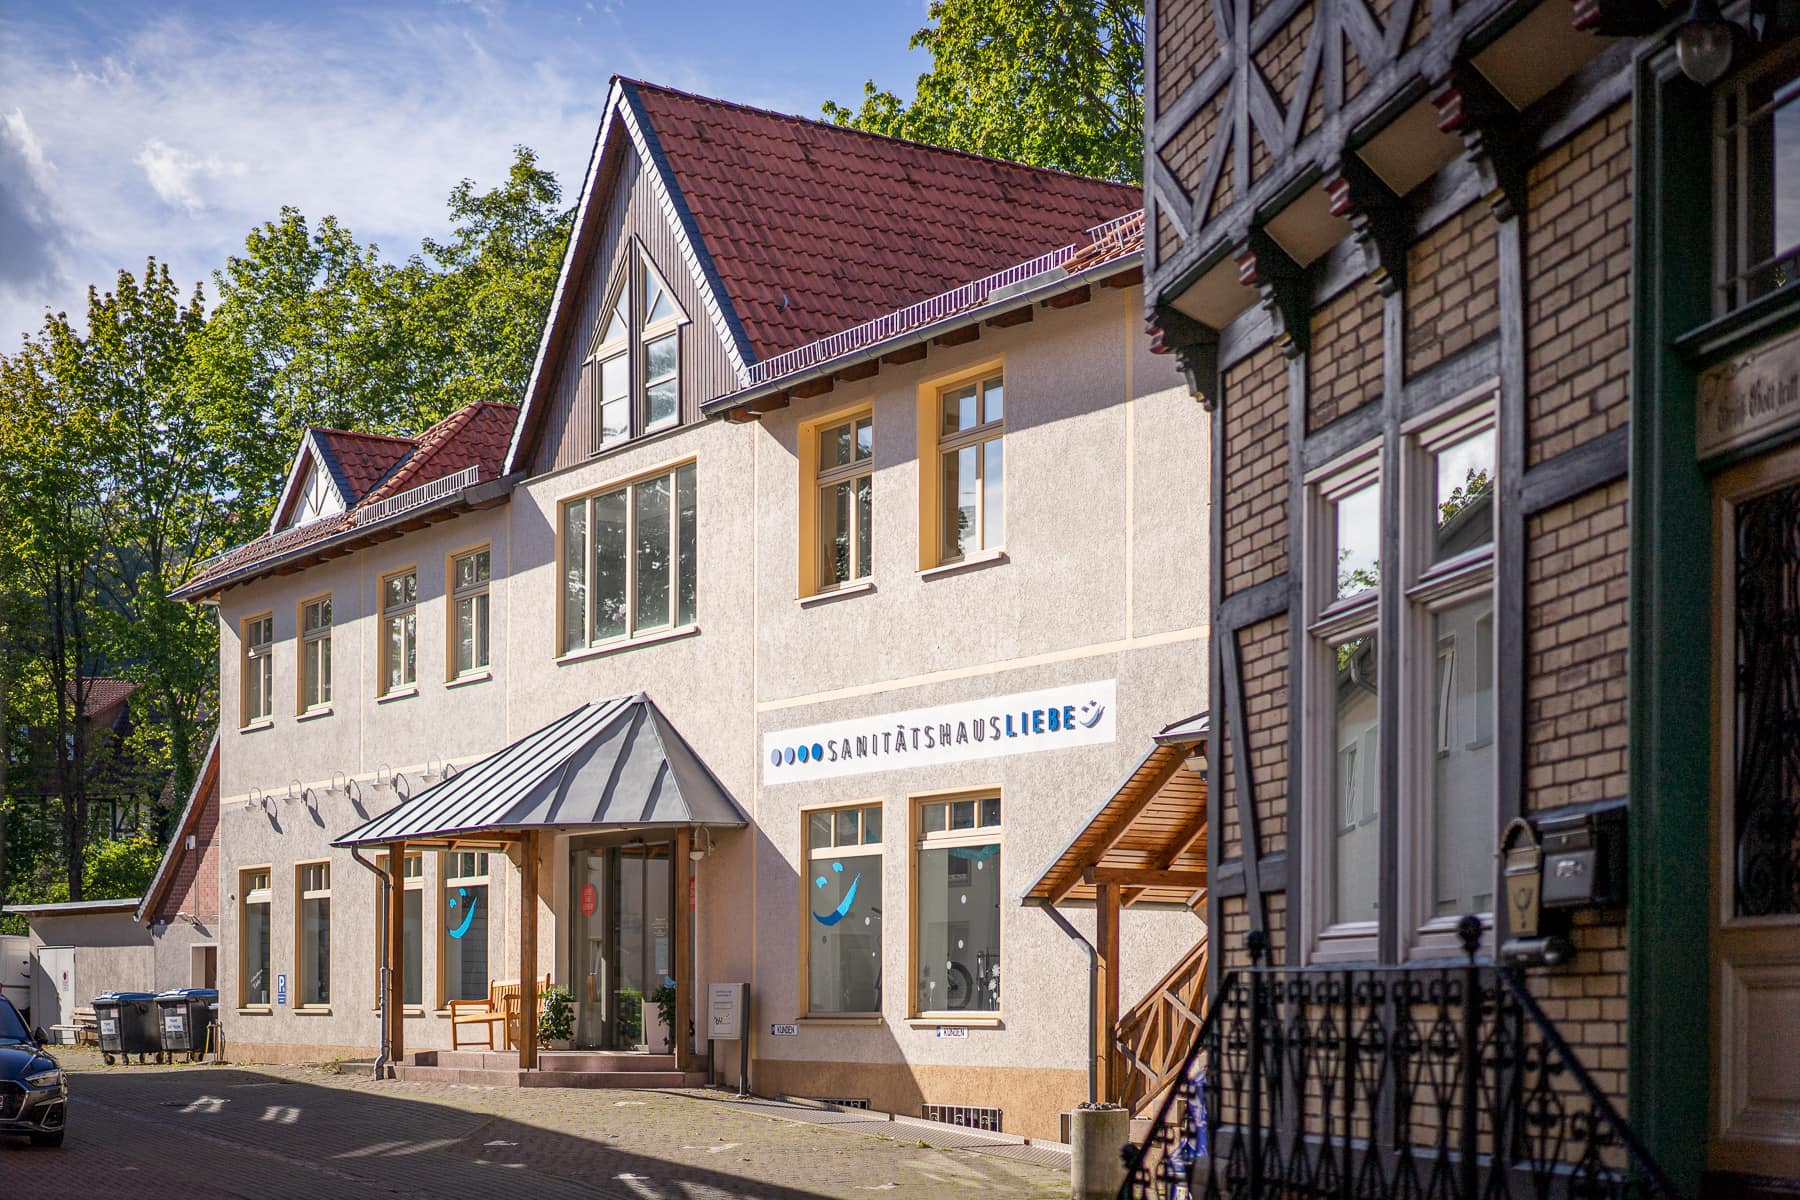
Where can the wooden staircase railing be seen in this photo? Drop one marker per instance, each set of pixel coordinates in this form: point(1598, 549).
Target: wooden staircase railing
point(1154, 1038)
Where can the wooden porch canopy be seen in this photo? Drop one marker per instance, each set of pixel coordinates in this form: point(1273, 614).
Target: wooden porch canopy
point(1146, 845)
point(1149, 837)
point(612, 764)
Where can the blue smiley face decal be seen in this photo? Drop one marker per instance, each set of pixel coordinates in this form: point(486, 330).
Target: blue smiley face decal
point(468, 912)
point(843, 909)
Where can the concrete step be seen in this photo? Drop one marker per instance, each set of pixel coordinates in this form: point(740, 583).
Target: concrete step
point(487, 1060)
point(593, 1060)
point(472, 1076)
point(493, 1077)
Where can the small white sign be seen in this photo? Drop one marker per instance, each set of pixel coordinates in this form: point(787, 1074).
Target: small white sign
point(1025, 722)
point(953, 1031)
point(784, 1031)
point(108, 1026)
point(725, 1011)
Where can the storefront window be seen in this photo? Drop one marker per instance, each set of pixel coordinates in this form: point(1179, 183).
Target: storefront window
point(844, 905)
point(253, 915)
point(413, 941)
point(463, 918)
point(313, 963)
point(956, 907)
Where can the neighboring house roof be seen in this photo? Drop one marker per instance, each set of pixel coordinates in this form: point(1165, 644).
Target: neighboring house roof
point(814, 227)
point(473, 438)
point(104, 693)
point(73, 908)
point(794, 229)
point(205, 790)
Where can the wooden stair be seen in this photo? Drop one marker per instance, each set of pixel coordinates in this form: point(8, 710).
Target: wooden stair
point(1153, 1039)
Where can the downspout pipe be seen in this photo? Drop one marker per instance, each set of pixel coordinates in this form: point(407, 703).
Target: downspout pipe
point(381, 997)
point(1093, 957)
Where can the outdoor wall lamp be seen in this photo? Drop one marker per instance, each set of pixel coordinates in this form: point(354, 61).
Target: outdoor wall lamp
point(1196, 762)
point(256, 799)
point(296, 790)
point(343, 787)
point(1705, 43)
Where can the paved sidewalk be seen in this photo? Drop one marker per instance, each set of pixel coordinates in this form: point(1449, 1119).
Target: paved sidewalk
point(211, 1132)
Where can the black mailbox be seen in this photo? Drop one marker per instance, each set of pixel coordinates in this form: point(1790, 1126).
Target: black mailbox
point(1583, 859)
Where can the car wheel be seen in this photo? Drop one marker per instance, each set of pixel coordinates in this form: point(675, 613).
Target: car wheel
point(53, 1138)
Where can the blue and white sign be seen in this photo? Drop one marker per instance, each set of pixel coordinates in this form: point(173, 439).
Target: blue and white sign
point(281, 988)
point(1052, 719)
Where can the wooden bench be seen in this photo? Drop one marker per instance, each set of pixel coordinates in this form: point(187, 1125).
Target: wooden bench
point(501, 1007)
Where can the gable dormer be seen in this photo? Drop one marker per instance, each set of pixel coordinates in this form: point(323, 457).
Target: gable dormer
point(333, 470)
point(310, 495)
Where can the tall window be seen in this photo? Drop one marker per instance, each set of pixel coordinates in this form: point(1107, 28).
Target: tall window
point(971, 445)
point(629, 560)
point(1758, 167)
point(399, 630)
point(312, 963)
point(413, 920)
point(259, 668)
point(956, 905)
point(1345, 532)
point(843, 910)
point(642, 326)
point(253, 940)
point(845, 499)
point(469, 598)
point(315, 653)
point(463, 923)
point(1448, 527)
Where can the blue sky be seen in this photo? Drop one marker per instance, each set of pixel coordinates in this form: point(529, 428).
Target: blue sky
point(130, 129)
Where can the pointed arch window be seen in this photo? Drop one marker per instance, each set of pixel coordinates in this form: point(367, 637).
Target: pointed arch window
point(633, 370)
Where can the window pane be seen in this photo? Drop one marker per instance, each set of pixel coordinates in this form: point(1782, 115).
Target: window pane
point(1464, 496)
point(465, 926)
point(835, 447)
point(962, 814)
point(315, 951)
point(990, 811)
point(659, 380)
point(818, 831)
point(660, 403)
point(687, 547)
point(1358, 546)
point(865, 437)
point(960, 410)
point(835, 504)
point(465, 635)
point(931, 817)
point(993, 401)
point(256, 954)
point(324, 673)
point(961, 482)
point(650, 609)
point(615, 323)
point(871, 826)
point(412, 948)
point(1356, 850)
point(846, 827)
point(396, 652)
point(993, 498)
point(843, 961)
point(575, 571)
point(615, 399)
point(657, 305)
point(865, 515)
point(1785, 184)
point(1463, 782)
point(481, 630)
point(609, 565)
point(958, 924)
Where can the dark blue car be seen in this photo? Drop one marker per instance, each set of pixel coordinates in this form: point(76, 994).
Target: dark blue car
point(33, 1094)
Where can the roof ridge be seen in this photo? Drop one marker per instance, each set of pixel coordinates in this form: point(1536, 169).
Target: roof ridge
point(385, 437)
point(867, 133)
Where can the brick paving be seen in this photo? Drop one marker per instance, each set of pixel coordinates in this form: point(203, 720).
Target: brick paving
point(212, 1132)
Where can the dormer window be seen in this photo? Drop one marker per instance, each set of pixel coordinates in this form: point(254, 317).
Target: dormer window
point(633, 371)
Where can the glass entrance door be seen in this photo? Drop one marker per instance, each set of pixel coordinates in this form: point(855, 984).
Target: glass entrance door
point(624, 932)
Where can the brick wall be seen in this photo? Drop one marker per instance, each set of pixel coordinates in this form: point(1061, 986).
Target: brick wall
point(1575, 618)
point(1587, 999)
point(1256, 463)
point(1344, 371)
point(1280, 60)
point(1578, 288)
point(1452, 289)
point(195, 885)
point(1185, 45)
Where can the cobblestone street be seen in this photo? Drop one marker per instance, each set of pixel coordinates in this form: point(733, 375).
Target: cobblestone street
point(211, 1132)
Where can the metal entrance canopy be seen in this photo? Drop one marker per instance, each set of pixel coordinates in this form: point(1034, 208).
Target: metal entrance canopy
point(617, 762)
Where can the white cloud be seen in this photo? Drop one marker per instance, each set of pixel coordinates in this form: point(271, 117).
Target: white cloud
point(172, 173)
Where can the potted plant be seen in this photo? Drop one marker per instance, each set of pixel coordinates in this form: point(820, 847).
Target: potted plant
point(664, 999)
point(556, 1026)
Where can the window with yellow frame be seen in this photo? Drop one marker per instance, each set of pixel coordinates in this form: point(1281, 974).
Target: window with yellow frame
point(842, 943)
point(255, 900)
point(962, 427)
point(837, 509)
point(315, 653)
point(469, 624)
point(956, 905)
point(258, 668)
point(399, 630)
point(312, 934)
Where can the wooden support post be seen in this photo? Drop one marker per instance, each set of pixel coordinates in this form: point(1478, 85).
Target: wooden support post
point(528, 948)
point(684, 958)
point(394, 1003)
point(1106, 1019)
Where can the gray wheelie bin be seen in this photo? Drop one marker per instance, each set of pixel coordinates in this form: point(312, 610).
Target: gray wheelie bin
point(184, 1016)
point(127, 1025)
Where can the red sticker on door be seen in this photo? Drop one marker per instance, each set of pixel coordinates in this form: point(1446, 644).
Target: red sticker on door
point(590, 899)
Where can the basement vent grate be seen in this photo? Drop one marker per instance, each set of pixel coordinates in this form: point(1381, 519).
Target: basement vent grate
point(841, 1101)
point(966, 1115)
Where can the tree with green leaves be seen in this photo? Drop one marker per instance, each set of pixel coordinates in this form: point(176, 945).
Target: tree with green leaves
point(1054, 83)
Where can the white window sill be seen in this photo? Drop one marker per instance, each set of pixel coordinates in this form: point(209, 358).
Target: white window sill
point(989, 1021)
point(313, 714)
point(258, 725)
point(860, 587)
point(620, 645)
point(866, 1021)
point(464, 680)
point(969, 562)
point(313, 1010)
point(405, 693)
point(254, 1010)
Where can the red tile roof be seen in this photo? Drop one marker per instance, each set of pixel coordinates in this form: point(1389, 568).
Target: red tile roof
point(359, 461)
point(104, 692)
point(474, 435)
point(813, 228)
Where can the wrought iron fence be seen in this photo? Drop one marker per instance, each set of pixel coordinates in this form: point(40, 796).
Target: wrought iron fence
point(1443, 1082)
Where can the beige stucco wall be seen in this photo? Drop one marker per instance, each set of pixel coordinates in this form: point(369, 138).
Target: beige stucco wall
point(113, 953)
